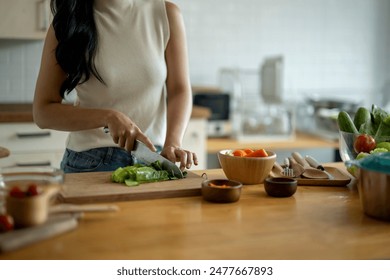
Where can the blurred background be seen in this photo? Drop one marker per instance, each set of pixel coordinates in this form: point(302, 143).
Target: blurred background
point(264, 68)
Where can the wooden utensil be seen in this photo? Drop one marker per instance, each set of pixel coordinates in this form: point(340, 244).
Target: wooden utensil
point(55, 225)
point(73, 208)
point(298, 169)
point(315, 164)
point(309, 172)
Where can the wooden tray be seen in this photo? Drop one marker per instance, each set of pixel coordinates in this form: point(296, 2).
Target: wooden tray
point(340, 178)
point(98, 187)
point(18, 238)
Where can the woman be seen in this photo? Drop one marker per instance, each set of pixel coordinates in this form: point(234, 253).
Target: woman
point(127, 60)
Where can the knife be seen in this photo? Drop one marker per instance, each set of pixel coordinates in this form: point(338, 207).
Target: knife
point(143, 153)
point(314, 163)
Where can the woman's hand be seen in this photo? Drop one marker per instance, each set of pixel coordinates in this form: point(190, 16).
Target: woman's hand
point(124, 132)
point(177, 154)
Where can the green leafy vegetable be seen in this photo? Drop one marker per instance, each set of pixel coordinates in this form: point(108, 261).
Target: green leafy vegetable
point(139, 173)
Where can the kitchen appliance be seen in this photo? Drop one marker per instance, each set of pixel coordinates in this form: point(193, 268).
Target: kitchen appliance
point(258, 112)
point(219, 104)
point(318, 115)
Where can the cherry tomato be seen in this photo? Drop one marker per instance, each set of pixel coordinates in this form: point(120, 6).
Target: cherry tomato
point(32, 190)
point(16, 192)
point(364, 143)
point(6, 223)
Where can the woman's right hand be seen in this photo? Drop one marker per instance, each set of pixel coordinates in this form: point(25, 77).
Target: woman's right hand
point(124, 132)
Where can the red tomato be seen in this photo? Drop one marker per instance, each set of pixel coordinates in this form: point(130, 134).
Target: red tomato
point(32, 190)
point(16, 192)
point(6, 223)
point(364, 143)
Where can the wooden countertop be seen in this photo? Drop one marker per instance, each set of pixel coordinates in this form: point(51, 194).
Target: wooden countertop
point(301, 141)
point(16, 112)
point(316, 223)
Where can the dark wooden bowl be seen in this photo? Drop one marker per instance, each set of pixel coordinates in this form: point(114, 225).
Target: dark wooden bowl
point(280, 187)
point(221, 190)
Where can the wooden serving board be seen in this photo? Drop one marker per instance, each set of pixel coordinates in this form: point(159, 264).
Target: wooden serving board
point(98, 187)
point(340, 178)
point(18, 238)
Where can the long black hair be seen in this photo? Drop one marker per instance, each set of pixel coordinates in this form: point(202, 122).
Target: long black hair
point(75, 30)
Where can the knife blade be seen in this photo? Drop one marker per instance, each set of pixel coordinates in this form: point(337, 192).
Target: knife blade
point(143, 153)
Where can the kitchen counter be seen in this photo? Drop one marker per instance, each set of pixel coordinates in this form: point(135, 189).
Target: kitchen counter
point(301, 141)
point(16, 112)
point(316, 223)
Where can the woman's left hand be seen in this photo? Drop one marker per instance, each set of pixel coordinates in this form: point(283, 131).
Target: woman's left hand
point(177, 154)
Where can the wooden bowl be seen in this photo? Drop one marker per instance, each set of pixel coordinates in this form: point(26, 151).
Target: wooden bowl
point(31, 210)
point(221, 190)
point(247, 170)
point(280, 186)
point(26, 209)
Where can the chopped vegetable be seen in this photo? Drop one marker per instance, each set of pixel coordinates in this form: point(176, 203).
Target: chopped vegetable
point(258, 153)
point(249, 153)
point(139, 174)
point(239, 153)
point(218, 186)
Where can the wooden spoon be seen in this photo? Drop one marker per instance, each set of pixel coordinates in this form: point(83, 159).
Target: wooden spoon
point(309, 172)
point(298, 169)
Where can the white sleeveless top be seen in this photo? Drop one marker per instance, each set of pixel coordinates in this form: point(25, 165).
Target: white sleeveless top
point(132, 37)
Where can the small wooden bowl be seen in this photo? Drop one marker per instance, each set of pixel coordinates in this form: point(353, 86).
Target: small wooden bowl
point(280, 187)
point(247, 170)
point(221, 190)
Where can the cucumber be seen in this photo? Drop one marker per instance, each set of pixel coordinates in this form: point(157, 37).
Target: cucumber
point(345, 122)
point(362, 118)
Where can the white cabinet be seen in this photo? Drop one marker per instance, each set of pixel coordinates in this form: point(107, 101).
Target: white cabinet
point(30, 145)
point(195, 140)
point(24, 19)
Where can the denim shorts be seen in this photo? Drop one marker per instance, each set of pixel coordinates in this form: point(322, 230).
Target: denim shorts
point(95, 160)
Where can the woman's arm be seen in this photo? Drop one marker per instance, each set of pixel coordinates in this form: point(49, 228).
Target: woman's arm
point(178, 89)
point(50, 112)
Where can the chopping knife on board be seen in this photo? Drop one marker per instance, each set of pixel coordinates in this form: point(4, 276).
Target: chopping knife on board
point(144, 154)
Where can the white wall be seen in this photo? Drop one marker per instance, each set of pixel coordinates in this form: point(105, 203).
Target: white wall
point(19, 65)
point(333, 47)
point(338, 47)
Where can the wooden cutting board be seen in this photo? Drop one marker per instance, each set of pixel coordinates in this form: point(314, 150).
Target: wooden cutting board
point(97, 187)
point(56, 224)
